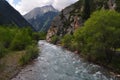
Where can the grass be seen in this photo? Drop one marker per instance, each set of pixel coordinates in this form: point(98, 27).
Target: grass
point(31, 53)
point(9, 64)
point(15, 50)
point(12, 63)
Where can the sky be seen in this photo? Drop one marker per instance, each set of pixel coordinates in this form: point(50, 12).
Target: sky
point(24, 6)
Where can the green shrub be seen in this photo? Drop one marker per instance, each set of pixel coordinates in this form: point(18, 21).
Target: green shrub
point(31, 53)
point(67, 40)
point(39, 35)
point(13, 39)
point(42, 35)
point(21, 40)
point(100, 35)
point(54, 39)
point(6, 36)
point(36, 36)
point(2, 50)
point(74, 46)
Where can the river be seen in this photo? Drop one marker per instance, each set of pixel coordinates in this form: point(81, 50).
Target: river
point(56, 63)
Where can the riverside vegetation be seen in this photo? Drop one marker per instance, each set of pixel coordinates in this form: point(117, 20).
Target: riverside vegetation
point(18, 46)
point(98, 40)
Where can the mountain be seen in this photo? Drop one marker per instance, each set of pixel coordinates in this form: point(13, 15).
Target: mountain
point(8, 15)
point(76, 14)
point(40, 18)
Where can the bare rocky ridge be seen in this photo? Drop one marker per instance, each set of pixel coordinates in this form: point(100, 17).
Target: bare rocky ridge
point(39, 11)
point(41, 17)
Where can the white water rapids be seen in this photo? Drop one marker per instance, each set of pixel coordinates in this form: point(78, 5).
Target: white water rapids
point(56, 63)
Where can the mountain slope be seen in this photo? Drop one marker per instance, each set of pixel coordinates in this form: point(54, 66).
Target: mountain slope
point(76, 14)
point(8, 15)
point(41, 17)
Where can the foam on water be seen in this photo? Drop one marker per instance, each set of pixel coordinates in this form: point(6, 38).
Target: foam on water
point(56, 63)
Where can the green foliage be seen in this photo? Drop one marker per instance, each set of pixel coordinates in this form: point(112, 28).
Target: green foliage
point(74, 46)
point(42, 35)
point(39, 35)
point(5, 36)
point(13, 39)
point(100, 34)
point(54, 39)
point(16, 43)
point(67, 40)
point(21, 40)
point(31, 53)
point(2, 50)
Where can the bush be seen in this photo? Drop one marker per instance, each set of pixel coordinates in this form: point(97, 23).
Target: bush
point(67, 40)
point(42, 35)
point(21, 40)
point(13, 39)
point(39, 35)
point(54, 39)
point(6, 36)
point(5, 40)
point(100, 35)
point(2, 50)
point(31, 53)
point(74, 46)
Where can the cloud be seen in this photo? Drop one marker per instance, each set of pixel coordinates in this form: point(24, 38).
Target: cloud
point(60, 4)
point(24, 6)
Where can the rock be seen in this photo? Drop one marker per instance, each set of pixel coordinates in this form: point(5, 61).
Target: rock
point(76, 52)
point(73, 17)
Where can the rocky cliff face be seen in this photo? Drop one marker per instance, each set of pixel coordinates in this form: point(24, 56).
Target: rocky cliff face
point(8, 15)
point(75, 15)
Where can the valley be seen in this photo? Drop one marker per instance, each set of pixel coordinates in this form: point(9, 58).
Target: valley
point(59, 40)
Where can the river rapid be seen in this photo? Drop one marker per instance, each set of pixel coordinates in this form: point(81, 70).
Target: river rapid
point(56, 63)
